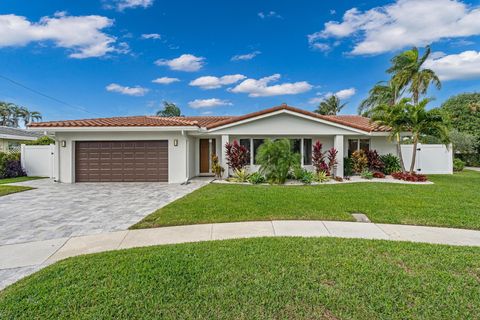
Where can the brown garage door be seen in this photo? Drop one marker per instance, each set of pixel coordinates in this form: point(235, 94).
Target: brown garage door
point(121, 161)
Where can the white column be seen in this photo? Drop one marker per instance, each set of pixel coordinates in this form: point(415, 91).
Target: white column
point(338, 145)
point(223, 160)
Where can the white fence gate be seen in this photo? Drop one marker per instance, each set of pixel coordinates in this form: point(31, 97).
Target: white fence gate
point(430, 159)
point(38, 160)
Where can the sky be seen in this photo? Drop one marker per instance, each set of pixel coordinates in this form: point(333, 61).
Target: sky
point(102, 58)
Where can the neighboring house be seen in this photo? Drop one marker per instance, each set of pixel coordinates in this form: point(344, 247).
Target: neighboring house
point(174, 149)
point(11, 138)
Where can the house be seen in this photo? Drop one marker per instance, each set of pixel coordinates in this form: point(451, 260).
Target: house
point(11, 138)
point(175, 149)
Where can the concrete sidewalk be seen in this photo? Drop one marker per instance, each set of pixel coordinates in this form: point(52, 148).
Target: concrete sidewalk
point(19, 260)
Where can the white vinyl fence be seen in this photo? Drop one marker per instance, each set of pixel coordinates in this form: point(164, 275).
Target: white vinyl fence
point(430, 159)
point(38, 160)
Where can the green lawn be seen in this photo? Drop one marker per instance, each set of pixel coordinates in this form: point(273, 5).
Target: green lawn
point(453, 201)
point(266, 278)
point(19, 179)
point(4, 190)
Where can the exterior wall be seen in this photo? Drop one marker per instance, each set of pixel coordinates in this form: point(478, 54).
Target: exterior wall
point(177, 155)
point(380, 143)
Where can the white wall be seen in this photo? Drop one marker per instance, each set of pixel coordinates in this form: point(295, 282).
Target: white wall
point(38, 160)
point(430, 159)
point(177, 166)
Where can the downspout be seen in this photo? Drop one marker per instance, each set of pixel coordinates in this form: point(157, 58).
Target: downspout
point(57, 159)
point(186, 159)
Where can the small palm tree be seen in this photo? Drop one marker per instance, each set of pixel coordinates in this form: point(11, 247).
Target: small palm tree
point(169, 110)
point(330, 106)
point(383, 93)
point(423, 122)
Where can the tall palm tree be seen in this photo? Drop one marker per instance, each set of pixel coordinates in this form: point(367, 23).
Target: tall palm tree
point(169, 110)
point(4, 113)
point(330, 106)
point(395, 117)
point(30, 116)
point(407, 71)
point(382, 93)
point(11, 114)
point(423, 122)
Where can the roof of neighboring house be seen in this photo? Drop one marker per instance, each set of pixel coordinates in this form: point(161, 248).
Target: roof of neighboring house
point(18, 134)
point(209, 122)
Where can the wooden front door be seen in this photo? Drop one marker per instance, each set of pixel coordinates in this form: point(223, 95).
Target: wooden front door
point(207, 147)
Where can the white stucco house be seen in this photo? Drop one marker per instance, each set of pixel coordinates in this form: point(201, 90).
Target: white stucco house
point(175, 149)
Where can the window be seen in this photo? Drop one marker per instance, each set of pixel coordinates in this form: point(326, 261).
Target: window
point(295, 145)
point(307, 152)
point(358, 144)
point(246, 143)
point(256, 143)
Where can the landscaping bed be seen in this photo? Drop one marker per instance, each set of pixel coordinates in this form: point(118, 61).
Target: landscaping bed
point(267, 278)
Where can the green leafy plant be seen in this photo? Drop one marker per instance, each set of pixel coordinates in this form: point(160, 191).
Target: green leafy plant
point(347, 167)
point(10, 166)
point(240, 175)
point(42, 141)
point(458, 165)
point(359, 161)
point(276, 160)
point(256, 178)
point(321, 177)
point(217, 169)
point(304, 176)
point(366, 175)
point(391, 163)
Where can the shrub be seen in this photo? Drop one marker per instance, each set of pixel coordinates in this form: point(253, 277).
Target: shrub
point(318, 158)
point(276, 160)
point(470, 159)
point(407, 176)
point(338, 179)
point(304, 175)
point(237, 155)
point(10, 165)
point(332, 160)
point(375, 163)
point(378, 175)
point(45, 140)
point(240, 175)
point(366, 174)
point(347, 167)
point(458, 164)
point(256, 178)
point(391, 163)
point(359, 161)
point(321, 177)
point(217, 169)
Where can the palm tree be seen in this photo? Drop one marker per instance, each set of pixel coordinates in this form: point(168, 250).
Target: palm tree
point(423, 122)
point(382, 93)
point(169, 110)
point(395, 117)
point(330, 106)
point(407, 71)
point(11, 114)
point(30, 116)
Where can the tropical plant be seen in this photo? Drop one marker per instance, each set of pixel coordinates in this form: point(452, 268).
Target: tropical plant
point(347, 167)
point(276, 160)
point(407, 176)
point(10, 166)
point(45, 140)
point(217, 169)
point(378, 175)
point(332, 160)
point(169, 110)
point(11, 115)
point(391, 163)
point(321, 177)
point(424, 122)
point(303, 175)
point(318, 158)
point(407, 70)
point(366, 174)
point(359, 161)
point(240, 175)
point(374, 161)
point(256, 178)
point(458, 165)
point(237, 155)
point(383, 93)
point(330, 106)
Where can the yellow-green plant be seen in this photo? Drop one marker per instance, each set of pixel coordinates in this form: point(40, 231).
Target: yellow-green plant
point(359, 161)
point(240, 175)
point(217, 169)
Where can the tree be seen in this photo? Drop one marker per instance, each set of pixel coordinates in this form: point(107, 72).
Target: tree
point(383, 93)
point(276, 160)
point(11, 115)
point(423, 122)
point(407, 71)
point(330, 106)
point(169, 110)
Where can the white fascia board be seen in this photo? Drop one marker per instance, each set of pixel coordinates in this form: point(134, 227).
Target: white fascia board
point(331, 123)
point(113, 129)
point(14, 137)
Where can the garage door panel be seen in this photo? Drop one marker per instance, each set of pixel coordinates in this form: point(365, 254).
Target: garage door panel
point(103, 161)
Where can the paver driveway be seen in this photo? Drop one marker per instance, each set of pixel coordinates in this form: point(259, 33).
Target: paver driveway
point(55, 210)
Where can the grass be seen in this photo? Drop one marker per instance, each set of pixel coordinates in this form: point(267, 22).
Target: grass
point(263, 278)
point(19, 179)
point(452, 201)
point(4, 190)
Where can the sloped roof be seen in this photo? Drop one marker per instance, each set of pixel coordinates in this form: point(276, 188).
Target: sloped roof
point(17, 132)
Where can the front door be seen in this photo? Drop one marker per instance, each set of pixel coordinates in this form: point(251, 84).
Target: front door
point(207, 148)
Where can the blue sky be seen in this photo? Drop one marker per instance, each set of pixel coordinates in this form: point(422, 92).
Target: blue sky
point(223, 57)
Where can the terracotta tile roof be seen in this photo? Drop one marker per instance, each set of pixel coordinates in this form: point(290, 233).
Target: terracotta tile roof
point(209, 122)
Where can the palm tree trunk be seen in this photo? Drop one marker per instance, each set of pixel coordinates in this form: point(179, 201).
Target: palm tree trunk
point(399, 152)
point(414, 155)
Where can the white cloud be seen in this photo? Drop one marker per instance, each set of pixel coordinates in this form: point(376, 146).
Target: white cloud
point(165, 80)
point(464, 65)
point(130, 91)
point(186, 62)
point(261, 87)
point(269, 14)
point(402, 24)
point(81, 34)
point(208, 103)
point(341, 94)
point(247, 56)
point(154, 36)
point(210, 82)
point(121, 5)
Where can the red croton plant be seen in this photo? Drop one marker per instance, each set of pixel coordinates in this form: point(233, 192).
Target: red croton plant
point(237, 155)
point(407, 176)
point(318, 158)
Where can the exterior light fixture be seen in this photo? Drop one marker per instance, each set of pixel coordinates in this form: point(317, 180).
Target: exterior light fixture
point(63, 143)
point(175, 142)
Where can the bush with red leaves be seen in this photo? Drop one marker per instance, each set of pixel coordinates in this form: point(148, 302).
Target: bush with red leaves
point(374, 161)
point(378, 174)
point(237, 155)
point(412, 177)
